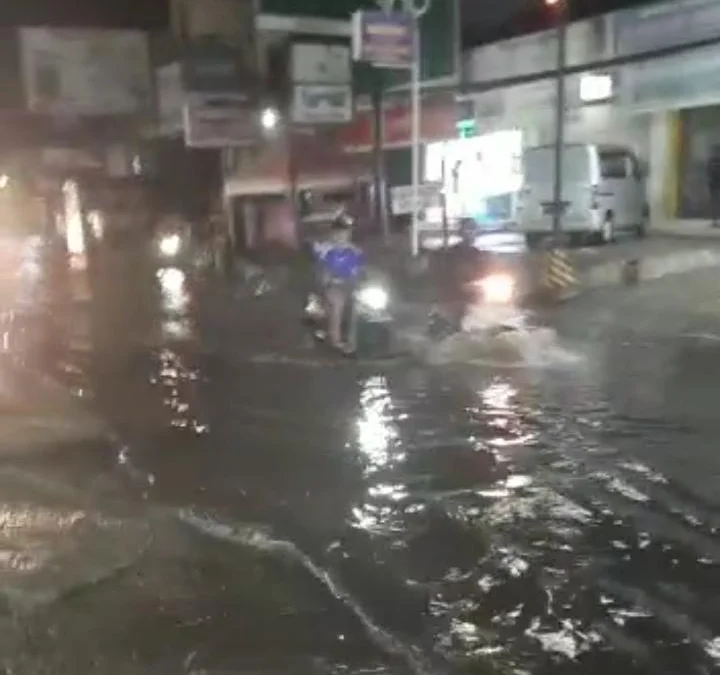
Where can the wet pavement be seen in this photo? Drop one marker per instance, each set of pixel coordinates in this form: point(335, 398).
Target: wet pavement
point(305, 514)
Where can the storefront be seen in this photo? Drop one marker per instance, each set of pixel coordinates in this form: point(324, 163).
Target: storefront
point(480, 176)
point(699, 135)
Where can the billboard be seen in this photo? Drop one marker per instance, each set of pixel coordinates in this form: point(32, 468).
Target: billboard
point(383, 39)
point(79, 72)
point(219, 121)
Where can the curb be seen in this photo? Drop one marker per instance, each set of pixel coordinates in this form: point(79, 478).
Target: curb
point(635, 270)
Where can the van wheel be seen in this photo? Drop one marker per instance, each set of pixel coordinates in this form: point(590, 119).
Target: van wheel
point(607, 232)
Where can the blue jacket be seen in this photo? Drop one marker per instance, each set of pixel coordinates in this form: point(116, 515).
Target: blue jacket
point(340, 262)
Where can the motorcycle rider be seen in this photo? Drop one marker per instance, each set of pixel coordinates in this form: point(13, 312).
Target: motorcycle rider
point(462, 264)
point(341, 263)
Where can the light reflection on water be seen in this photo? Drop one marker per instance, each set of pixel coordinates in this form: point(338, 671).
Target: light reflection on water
point(175, 304)
point(536, 539)
point(532, 539)
point(375, 431)
point(175, 379)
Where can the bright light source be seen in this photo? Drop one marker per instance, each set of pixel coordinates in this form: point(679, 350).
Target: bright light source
point(4, 181)
point(498, 289)
point(595, 88)
point(374, 297)
point(170, 245)
point(269, 119)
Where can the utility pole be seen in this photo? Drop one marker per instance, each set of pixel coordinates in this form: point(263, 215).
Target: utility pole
point(379, 206)
point(560, 7)
point(417, 11)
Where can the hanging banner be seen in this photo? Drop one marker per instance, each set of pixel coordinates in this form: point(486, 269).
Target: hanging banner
point(384, 39)
point(219, 121)
point(170, 99)
point(322, 104)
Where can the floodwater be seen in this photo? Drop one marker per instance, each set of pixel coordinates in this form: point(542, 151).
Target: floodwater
point(557, 517)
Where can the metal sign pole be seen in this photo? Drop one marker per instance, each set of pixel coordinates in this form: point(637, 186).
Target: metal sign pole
point(417, 12)
point(558, 205)
point(415, 137)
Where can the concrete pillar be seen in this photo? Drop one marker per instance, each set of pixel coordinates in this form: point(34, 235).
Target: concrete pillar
point(663, 165)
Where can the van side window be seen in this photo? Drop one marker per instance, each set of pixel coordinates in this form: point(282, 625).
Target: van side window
point(614, 164)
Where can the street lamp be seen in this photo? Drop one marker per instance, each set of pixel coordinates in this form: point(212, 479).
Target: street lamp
point(269, 119)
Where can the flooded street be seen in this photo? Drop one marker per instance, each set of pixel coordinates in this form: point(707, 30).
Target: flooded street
point(308, 515)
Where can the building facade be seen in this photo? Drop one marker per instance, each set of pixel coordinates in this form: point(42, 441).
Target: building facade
point(667, 109)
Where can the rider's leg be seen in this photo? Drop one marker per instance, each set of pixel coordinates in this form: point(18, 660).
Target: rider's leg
point(337, 298)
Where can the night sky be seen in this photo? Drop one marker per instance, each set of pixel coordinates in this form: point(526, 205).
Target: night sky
point(483, 20)
point(489, 20)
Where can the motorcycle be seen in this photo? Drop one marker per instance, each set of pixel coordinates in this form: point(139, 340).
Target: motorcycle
point(176, 247)
point(367, 324)
point(488, 305)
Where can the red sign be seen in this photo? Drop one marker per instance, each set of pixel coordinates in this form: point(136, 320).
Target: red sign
point(437, 123)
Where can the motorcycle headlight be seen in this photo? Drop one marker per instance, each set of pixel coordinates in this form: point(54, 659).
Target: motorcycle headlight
point(498, 288)
point(170, 245)
point(374, 297)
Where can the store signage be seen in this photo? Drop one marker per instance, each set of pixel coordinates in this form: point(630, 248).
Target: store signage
point(668, 24)
point(384, 39)
point(401, 198)
point(320, 63)
point(219, 121)
point(595, 88)
point(322, 104)
point(437, 123)
point(213, 67)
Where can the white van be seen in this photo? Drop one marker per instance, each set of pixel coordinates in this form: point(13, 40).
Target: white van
point(603, 192)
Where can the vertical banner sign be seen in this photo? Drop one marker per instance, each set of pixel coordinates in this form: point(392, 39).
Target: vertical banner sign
point(384, 39)
point(220, 108)
point(321, 79)
point(218, 121)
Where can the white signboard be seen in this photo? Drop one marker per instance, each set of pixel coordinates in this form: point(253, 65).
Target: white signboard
point(401, 198)
point(322, 104)
point(219, 121)
point(317, 63)
point(170, 99)
point(85, 72)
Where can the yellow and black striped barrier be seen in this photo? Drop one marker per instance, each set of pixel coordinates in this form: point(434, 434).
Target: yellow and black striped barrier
point(560, 274)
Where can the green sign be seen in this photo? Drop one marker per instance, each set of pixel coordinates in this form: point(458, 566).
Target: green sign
point(466, 128)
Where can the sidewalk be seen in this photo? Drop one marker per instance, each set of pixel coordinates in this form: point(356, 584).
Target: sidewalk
point(694, 229)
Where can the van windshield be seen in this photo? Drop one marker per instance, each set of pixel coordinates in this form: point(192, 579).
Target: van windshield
point(539, 164)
